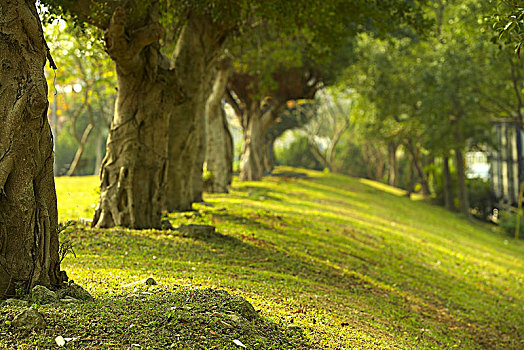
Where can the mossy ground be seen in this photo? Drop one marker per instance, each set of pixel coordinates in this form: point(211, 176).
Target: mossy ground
point(352, 262)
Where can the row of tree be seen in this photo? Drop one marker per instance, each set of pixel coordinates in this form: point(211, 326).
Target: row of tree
point(174, 62)
point(171, 63)
point(427, 99)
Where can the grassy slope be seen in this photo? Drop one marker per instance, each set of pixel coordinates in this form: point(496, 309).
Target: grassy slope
point(351, 261)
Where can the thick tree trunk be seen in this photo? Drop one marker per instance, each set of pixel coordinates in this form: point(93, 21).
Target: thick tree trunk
point(446, 184)
point(461, 183)
point(134, 170)
point(269, 157)
point(28, 214)
point(252, 159)
point(392, 164)
point(219, 151)
point(256, 117)
point(198, 45)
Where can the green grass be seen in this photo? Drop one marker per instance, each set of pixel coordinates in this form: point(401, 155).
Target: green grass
point(352, 262)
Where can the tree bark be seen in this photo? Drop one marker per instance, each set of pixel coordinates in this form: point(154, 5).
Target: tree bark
point(461, 183)
point(28, 214)
point(134, 171)
point(252, 159)
point(219, 150)
point(446, 182)
point(197, 48)
point(269, 157)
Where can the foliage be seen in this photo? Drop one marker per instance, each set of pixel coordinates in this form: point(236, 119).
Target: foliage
point(82, 94)
point(508, 223)
point(508, 22)
point(482, 200)
point(298, 154)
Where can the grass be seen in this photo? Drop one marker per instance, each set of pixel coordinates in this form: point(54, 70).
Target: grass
point(349, 263)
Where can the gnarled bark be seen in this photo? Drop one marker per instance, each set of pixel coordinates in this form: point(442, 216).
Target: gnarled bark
point(134, 171)
point(219, 151)
point(28, 214)
point(197, 47)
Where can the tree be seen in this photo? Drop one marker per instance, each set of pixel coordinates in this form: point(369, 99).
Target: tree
point(325, 131)
point(28, 215)
point(430, 89)
point(219, 150)
point(159, 107)
point(305, 61)
point(160, 104)
point(83, 99)
point(256, 116)
point(295, 115)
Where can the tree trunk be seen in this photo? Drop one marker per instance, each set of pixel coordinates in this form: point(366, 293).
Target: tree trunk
point(392, 164)
point(28, 214)
point(80, 151)
point(417, 161)
point(134, 170)
point(197, 171)
point(446, 184)
point(198, 45)
point(219, 151)
point(252, 159)
point(461, 183)
point(269, 157)
point(411, 177)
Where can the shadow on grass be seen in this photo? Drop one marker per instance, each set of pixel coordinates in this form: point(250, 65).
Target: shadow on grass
point(258, 193)
point(291, 175)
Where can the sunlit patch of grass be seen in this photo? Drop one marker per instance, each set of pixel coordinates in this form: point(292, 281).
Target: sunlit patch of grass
point(353, 263)
point(77, 197)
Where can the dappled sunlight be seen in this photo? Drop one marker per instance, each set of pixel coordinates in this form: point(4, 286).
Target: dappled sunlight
point(326, 251)
point(383, 187)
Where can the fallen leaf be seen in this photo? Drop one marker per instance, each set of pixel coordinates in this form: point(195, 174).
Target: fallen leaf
point(60, 341)
point(238, 343)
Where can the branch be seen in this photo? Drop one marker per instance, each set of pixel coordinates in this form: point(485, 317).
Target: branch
point(75, 117)
point(271, 116)
point(316, 152)
point(84, 9)
point(124, 49)
point(145, 36)
point(233, 102)
point(336, 138)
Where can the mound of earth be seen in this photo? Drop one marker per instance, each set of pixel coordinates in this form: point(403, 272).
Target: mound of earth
point(155, 318)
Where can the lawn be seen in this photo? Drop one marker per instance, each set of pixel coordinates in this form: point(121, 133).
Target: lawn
point(327, 261)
